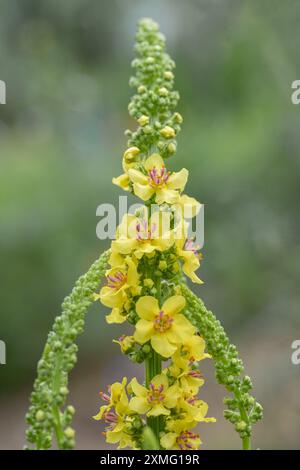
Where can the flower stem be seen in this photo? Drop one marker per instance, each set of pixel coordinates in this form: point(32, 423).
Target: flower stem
point(246, 443)
point(153, 368)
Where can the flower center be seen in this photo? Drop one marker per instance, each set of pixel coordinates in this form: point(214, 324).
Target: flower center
point(190, 398)
point(158, 178)
point(188, 440)
point(143, 232)
point(155, 394)
point(116, 280)
point(195, 374)
point(162, 322)
point(110, 417)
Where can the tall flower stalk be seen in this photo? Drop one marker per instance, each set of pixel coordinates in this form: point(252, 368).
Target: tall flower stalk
point(144, 283)
point(145, 274)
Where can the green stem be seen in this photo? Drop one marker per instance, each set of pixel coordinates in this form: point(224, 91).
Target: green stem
point(246, 443)
point(59, 434)
point(153, 368)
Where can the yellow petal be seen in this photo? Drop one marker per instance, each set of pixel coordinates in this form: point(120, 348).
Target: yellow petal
point(122, 181)
point(191, 263)
point(115, 317)
point(127, 228)
point(171, 396)
point(123, 245)
point(144, 192)
point(178, 180)
point(112, 437)
point(112, 298)
point(174, 305)
point(138, 389)
point(154, 160)
point(168, 440)
point(162, 244)
point(190, 206)
point(131, 153)
point(166, 195)
point(132, 274)
point(143, 331)
point(116, 259)
point(147, 307)
point(139, 404)
point(161, 345)
point(158, 410)
point(102, 410)
point(195, 346)
point(183, 326)
point(137, 176)
point(160, 379)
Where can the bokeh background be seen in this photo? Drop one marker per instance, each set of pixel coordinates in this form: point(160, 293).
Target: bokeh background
point(66, 66)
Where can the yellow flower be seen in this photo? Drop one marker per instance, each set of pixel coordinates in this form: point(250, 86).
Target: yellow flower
point(188, 252)
point(115, 398)
point(195, 408)
point(194, 348)
point(187, 377)
point(187, 440)
point(158, 181)
point(117, 416)
point(119, 281)
point(120, 431)
point(138, 236)
point(129, 161)
point(165, 327)
point(125, 342)
point(180, 422)
point(155, 401)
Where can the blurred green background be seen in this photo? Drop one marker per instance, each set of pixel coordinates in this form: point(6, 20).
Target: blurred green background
point(66, 66)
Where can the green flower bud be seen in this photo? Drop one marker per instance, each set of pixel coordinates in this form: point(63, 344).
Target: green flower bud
point(168, 75)
point(40, 415)
point(143, 120)
point(163, 91)
point(69, 433)
point(141, 89)
point(241, 426)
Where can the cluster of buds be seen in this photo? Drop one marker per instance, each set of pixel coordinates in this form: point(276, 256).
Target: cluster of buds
point(154, 103)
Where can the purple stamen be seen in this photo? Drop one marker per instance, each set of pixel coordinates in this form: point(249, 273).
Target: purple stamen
point(158, 177)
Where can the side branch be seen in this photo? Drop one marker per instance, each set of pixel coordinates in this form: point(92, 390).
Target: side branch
point(50, 391)
point(242, 409)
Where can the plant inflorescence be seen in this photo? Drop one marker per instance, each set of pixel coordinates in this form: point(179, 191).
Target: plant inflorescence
point(144, 275)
